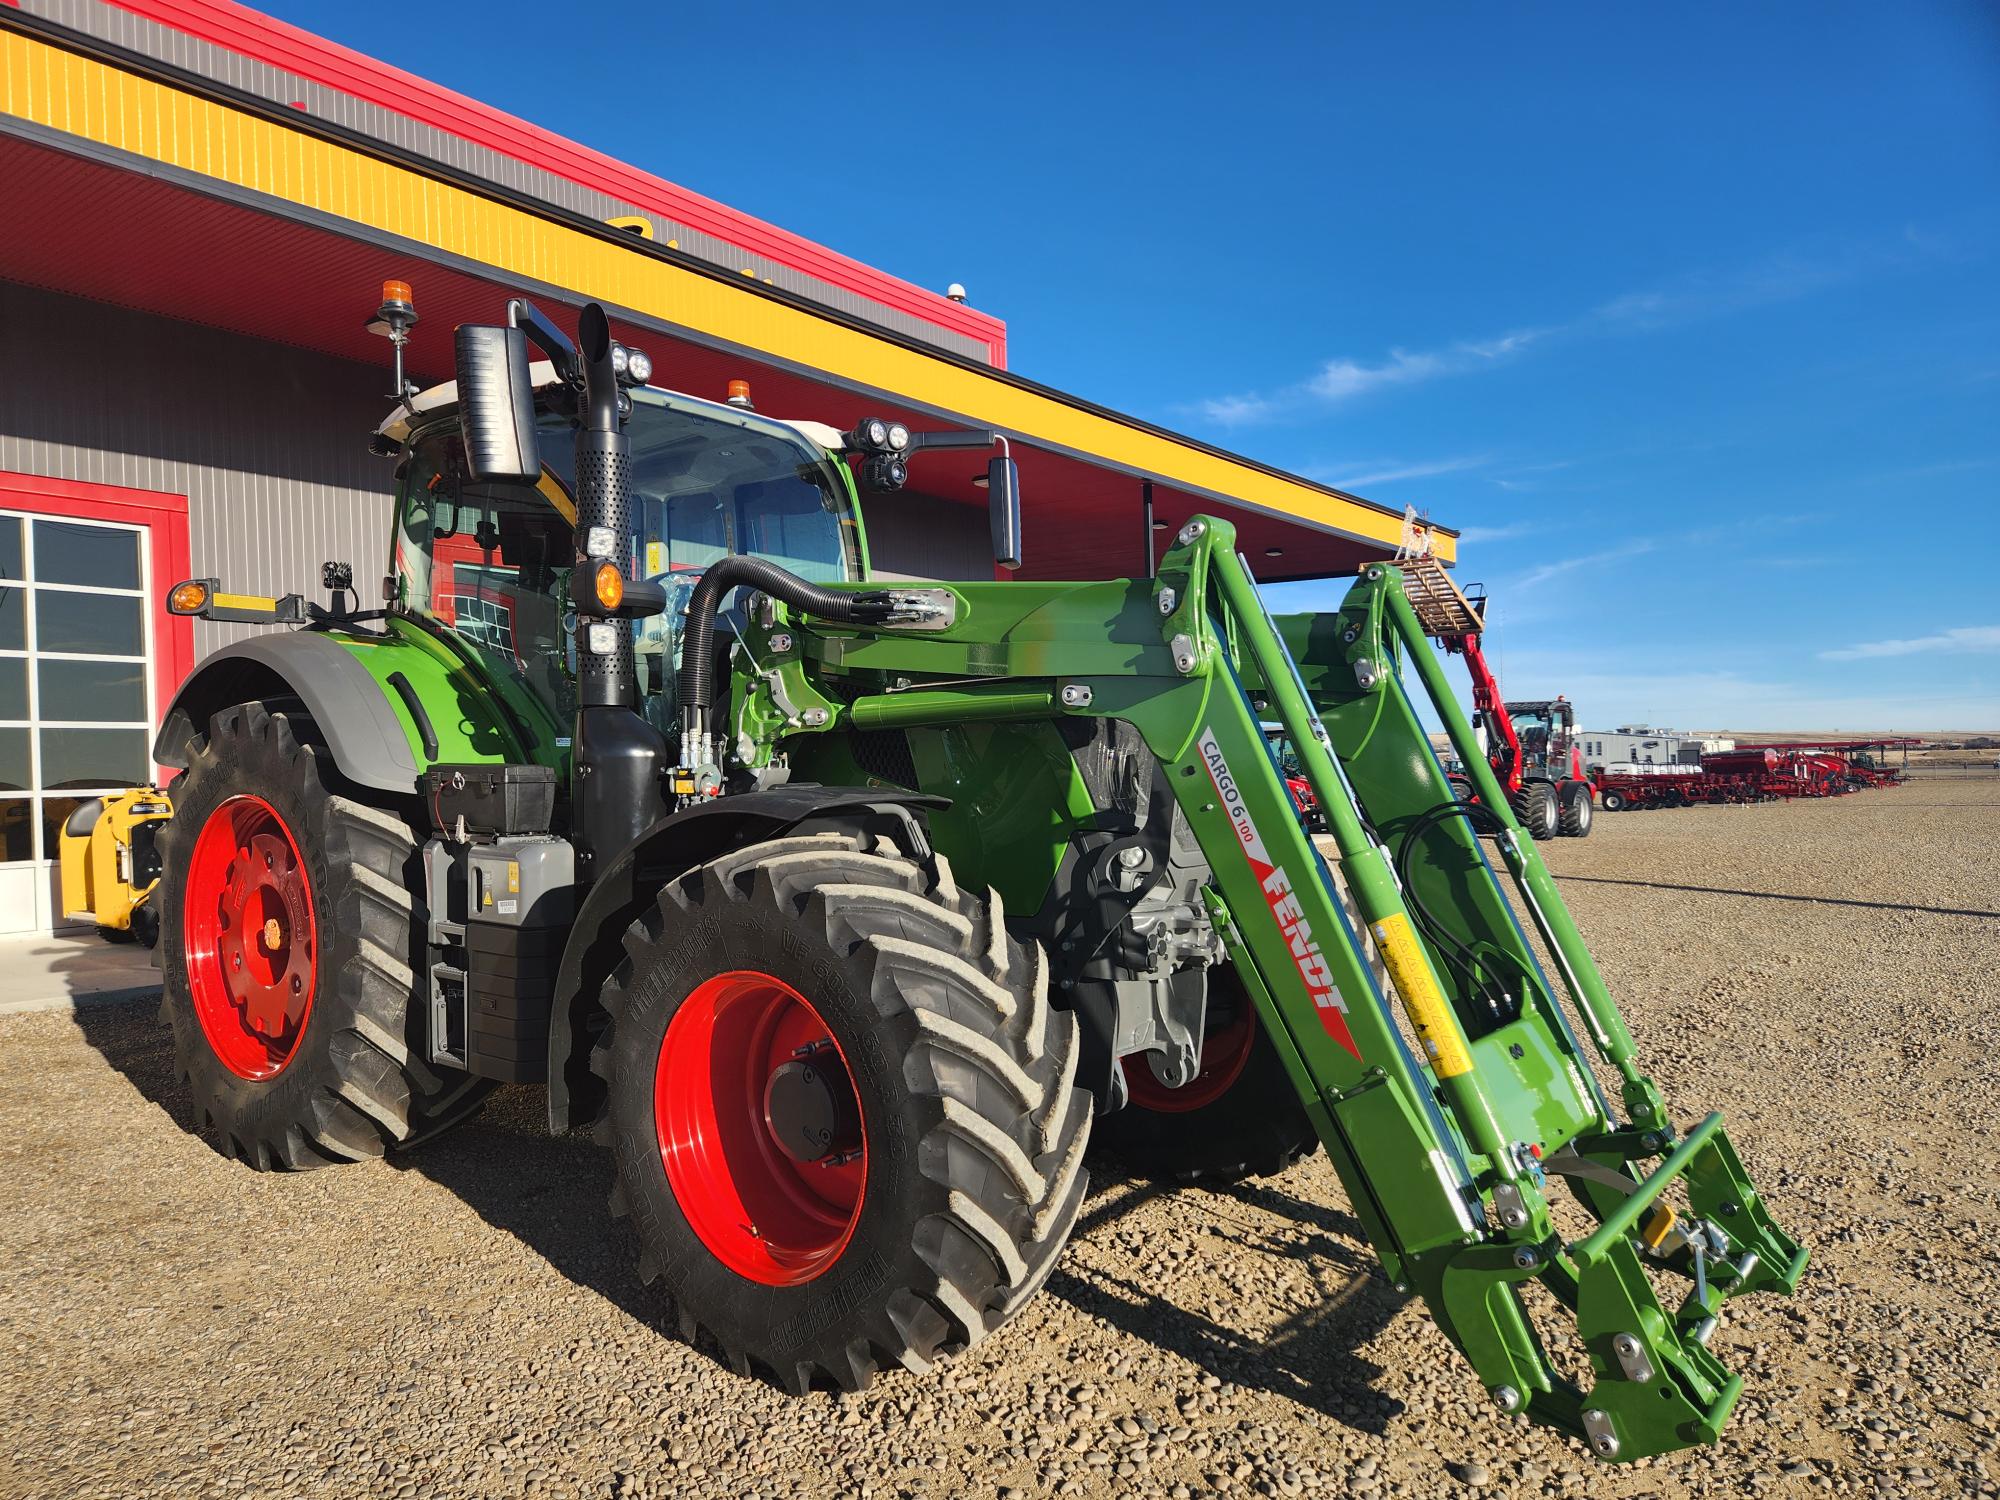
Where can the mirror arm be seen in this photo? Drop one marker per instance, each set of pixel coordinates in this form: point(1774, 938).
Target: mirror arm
point(524, 315)
point(976, 437)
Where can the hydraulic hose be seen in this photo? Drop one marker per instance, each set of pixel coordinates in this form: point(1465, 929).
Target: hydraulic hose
point(1461, 958)
point(697, 669)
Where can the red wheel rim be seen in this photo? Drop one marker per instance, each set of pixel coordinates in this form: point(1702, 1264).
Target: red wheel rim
point(765, 1214)
point(250, 940)
point(1223, 1054)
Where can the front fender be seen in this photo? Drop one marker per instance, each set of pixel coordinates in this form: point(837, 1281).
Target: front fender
point(671, 847)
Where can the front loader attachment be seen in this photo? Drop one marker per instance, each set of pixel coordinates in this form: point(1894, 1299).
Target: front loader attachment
point(1418, 1021)
point(1451, 1079)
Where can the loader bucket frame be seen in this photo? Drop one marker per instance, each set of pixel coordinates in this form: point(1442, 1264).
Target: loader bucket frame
point(1436, 1059)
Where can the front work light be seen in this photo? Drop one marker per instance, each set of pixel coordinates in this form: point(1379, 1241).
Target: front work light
point(631, 366)
point(879, 437)
point(884, 471)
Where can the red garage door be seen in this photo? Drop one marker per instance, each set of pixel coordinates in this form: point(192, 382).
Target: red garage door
point(88, 659)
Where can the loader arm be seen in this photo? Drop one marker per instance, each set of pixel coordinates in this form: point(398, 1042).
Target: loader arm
point(1437, 1061)
point(1486, 700)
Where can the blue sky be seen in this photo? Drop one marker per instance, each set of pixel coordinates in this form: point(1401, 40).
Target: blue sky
point(1689, 316)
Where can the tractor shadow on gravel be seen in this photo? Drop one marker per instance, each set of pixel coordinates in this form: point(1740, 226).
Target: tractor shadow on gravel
point(1309, 1357)
point(131, 1037)
point(551, 1193)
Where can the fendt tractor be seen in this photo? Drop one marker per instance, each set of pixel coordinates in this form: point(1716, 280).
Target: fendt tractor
point(843, 910)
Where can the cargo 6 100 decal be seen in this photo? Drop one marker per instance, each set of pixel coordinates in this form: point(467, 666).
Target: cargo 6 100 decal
point(1276, 884)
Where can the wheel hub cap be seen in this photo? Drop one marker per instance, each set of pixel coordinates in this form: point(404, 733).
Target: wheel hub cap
point(249, 938)
point(809, 1109)
point(760, 1128)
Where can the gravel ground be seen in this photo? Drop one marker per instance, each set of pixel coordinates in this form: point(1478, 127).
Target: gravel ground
point(467, 1322)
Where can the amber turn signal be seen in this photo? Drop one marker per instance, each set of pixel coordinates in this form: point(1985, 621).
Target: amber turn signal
point(187, 598)
point(610, 585)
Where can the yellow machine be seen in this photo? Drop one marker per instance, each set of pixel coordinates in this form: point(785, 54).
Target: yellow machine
point(110, 864)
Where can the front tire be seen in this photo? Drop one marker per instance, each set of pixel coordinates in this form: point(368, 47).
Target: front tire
point(1239, 1117)
point(842, 1110)
point(1574, 814)
point(290, 961)
point(1535, 806)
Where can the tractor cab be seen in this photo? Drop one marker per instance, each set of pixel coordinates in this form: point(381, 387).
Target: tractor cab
point(491, 561)
point(1546, 729)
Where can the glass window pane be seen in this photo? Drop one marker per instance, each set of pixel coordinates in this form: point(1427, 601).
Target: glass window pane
point(16, 828)
point(13, 619)
point(93, 757)
point(88, 690)
point(12, 563)
point(13, 687)
point(13, 760)
point(68, 553)
point(97, 624)
point(55, 813)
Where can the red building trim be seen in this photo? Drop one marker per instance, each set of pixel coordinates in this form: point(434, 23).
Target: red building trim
point(250, 33)
point(165, 517)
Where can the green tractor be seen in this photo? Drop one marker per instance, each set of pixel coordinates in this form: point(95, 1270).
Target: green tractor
point(843, 912)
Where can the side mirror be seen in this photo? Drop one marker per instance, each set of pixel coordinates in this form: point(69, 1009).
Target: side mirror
point(496, 404)
point(1003, 504)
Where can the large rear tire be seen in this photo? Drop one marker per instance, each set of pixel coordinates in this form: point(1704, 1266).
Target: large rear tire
point(1240, 1116)
point(842, 1110)
point(290, 956)
point(1574, 813)
point(1535, 806)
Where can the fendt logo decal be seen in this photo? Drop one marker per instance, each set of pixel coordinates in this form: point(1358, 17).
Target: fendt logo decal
point(1279, 896)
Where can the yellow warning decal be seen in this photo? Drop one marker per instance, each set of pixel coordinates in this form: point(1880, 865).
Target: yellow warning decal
point(1430, 1012)
point(242, 601)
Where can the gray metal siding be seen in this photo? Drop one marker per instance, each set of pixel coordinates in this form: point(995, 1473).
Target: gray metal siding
point(268, 442)
point(110, 23)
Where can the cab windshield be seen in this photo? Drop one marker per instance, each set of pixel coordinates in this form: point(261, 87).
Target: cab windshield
point(492, 562)
point(1532, 730)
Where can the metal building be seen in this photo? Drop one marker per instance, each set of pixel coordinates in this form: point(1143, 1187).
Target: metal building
point(201, 204)
point(1636, 745)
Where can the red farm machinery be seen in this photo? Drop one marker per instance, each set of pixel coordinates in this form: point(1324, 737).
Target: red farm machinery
point(1755, 773)
point(1531, 744)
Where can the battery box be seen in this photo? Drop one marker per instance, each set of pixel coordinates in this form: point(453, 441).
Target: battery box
point(486, 800)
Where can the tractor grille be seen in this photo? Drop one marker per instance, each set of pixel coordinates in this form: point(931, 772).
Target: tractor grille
point(884, 754)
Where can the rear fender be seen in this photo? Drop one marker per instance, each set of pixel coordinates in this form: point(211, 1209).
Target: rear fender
point(366, 734)
point(388, 707)
point(670, 848)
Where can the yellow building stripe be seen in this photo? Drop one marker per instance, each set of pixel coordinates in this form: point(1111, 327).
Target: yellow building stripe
point(96, 102)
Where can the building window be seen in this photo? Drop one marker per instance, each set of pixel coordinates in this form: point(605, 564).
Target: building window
point(76, 681)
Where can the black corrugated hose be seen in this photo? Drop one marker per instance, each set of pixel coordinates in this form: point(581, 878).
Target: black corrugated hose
point(697, 671)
